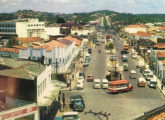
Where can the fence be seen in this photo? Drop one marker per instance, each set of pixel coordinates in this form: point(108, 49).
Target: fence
point(151, 113)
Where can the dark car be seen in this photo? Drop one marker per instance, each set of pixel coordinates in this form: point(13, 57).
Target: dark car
point(90, 51)
point(124, 52)
point(77, 103)
point(82, 74)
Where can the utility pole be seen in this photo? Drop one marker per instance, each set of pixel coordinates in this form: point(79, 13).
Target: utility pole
point(98, 114)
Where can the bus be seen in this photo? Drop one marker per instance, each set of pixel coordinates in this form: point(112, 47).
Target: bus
point(119, 86)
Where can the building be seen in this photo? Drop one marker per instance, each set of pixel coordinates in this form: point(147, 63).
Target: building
point(54, 33)
point(135, 28)
point(23, 28)
point(60, 53)
point(29, 82)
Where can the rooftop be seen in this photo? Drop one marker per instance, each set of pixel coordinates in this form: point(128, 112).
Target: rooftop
point(22, 69)
point(160, 54)
point(159, 45)
point(30, 39)
point(143, 34)
point(136, 26)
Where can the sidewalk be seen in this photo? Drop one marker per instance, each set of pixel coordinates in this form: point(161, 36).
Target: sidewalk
point(140, 58)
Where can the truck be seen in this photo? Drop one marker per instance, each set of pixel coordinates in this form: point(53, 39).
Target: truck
point(77, 103)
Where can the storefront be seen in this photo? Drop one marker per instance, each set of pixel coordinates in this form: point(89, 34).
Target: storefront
point(27, 112)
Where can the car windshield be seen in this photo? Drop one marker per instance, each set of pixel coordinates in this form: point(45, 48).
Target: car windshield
point(97, 82)
point(70, 117)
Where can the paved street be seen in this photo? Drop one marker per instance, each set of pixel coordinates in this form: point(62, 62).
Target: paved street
point(122, 106)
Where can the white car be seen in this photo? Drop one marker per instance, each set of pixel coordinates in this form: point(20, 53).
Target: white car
point(97, 83)
point(104, 83)
point(134, 56)
point(81, 78)
point(70, 116)
point(80, 85)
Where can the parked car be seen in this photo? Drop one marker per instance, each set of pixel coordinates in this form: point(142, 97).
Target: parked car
point(89, 50)
point(125, 67)
point(68, 116)
point(124, 52)
point(124, 58)
point(134, 56)
point(149, 76)
point(141, 82)
point(97, 83)
point(85, 64)
point(152, 82)
point(90, 78)
point(82, 74)
point(77, 103)
point(145, 72)
point(140, 64)
point(81, 78)
point(80, 85)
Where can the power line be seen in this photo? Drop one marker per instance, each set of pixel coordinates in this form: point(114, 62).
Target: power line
point(98, 114)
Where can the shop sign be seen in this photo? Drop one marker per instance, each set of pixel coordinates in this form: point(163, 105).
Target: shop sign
point(18, 113)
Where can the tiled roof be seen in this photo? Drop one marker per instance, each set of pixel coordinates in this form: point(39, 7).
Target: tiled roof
point(49, 46)
point(29, 39)
point(163, 61)
point(143, 34)
point(162, 28)
point(78, 42)
point(13, 50)
point(136, 26)
point(159, 45)
point(160, 54)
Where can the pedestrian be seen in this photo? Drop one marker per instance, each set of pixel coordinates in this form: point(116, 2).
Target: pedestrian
point(63, 96)
point(162, 86)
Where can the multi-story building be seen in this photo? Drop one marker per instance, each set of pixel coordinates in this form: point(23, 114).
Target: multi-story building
point(23, 28)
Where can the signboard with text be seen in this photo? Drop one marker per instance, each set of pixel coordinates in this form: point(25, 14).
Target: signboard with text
point(18, 113)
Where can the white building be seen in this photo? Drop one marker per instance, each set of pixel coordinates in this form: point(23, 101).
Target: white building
point(28, 77)
point(82, 32)
point(135, 28)
point(24, 28)
point(60, 53)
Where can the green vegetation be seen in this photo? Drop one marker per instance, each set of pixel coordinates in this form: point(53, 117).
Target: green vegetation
point(138, 18)
point(109, 46)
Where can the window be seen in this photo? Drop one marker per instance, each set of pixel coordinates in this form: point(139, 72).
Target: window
point(38, 90)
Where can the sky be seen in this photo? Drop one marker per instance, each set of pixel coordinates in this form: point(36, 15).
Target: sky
point(72, 6)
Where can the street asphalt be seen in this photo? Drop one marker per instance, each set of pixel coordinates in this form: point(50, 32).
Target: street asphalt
point(121, 106)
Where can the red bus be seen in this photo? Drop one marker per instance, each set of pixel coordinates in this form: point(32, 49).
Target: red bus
point(119, 86)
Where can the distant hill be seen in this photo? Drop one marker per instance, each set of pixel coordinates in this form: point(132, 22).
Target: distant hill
point(84, 17)
point(52, 17)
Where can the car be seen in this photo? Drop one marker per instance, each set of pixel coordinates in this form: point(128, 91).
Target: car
point(141, 82)
point(77, 103)
point(81, 78)
point(125, 67)
point(104, 84)
point(124, 52)
point(90, 78)
point(140, 64)
point(80, 85)
point(89, 50)
point(97, 84)
point(85, 64)
point(68, 116)
point(124, 58)
point(134, 56)
point(113, 58)
point(82, 74)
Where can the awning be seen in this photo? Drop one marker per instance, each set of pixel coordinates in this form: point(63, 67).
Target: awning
point(49, 96)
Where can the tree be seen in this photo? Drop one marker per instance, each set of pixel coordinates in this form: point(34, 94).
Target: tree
point(109, 46)
point(60, 20)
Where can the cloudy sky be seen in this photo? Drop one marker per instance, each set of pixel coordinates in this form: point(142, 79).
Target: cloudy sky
point(70, 6)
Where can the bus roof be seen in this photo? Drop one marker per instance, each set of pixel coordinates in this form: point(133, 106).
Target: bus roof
point(118, 81)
